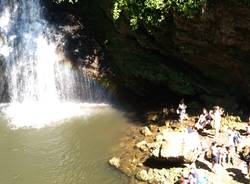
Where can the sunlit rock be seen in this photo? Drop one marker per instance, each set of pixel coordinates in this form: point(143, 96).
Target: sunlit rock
point(142, 175)
point(142, 145)
point(115, 162)
point(146, 131)
point(176, 146)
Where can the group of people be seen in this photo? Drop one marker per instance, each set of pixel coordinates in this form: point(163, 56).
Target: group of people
point(226, 153)
point(220, 154)
point(211, 117)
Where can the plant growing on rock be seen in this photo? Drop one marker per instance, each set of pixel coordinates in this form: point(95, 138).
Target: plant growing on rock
point(152, 13)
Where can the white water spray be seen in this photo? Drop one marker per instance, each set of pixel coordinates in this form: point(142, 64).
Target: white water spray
point(41, 87)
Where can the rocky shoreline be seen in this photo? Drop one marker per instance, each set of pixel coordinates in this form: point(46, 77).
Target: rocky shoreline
point(162, 151)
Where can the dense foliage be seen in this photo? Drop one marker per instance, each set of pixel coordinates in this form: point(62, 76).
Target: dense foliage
point(154, 12)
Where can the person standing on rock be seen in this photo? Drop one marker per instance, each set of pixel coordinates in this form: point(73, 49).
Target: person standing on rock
point(230, 137)
point(217, 119)
point(236, 139)
point(231, 155)
point(222, 154)
point(215, 155)
point(181, 110)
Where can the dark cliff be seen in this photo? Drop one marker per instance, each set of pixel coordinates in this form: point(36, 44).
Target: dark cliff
point(204, 57)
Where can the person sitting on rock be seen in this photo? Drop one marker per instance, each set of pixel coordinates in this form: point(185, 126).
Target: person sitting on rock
point(181, 110)
point(202, 121)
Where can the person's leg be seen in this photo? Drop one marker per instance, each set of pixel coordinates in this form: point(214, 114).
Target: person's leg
point(215, 161)
point(231, 161)
point(248, 169)
point(223, 160)
point(219, 159)
point(227, 159)
point(216, 131)
point(235, 144)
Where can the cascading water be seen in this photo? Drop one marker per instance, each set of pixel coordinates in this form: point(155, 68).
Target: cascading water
point(37, 76)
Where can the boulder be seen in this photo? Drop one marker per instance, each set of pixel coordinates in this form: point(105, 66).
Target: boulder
point(174, 146)
point(142, 175)
point(142, 145)
point(155, 149)
point(115, 162)
point(146, 131)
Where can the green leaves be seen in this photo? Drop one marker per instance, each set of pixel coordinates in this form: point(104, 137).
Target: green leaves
point(118, 6)
point(153, 12)
point(155, 4)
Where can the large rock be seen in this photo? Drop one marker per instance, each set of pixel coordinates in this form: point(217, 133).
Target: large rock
point(176, 146)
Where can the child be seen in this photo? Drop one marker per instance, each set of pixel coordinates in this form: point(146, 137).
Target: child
point(230, 155)
point(236, 139)
point(222, 154)
point(214, 155)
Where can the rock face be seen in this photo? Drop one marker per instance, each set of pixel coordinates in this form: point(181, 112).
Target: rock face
point(3, 82)
point(203, 56)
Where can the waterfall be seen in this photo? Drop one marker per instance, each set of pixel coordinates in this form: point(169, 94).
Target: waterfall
point(36, 72)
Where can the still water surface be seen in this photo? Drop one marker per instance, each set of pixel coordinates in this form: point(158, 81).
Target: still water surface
point(75, 151)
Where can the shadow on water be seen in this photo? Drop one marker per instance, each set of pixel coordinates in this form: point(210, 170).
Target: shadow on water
point(238, 175)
